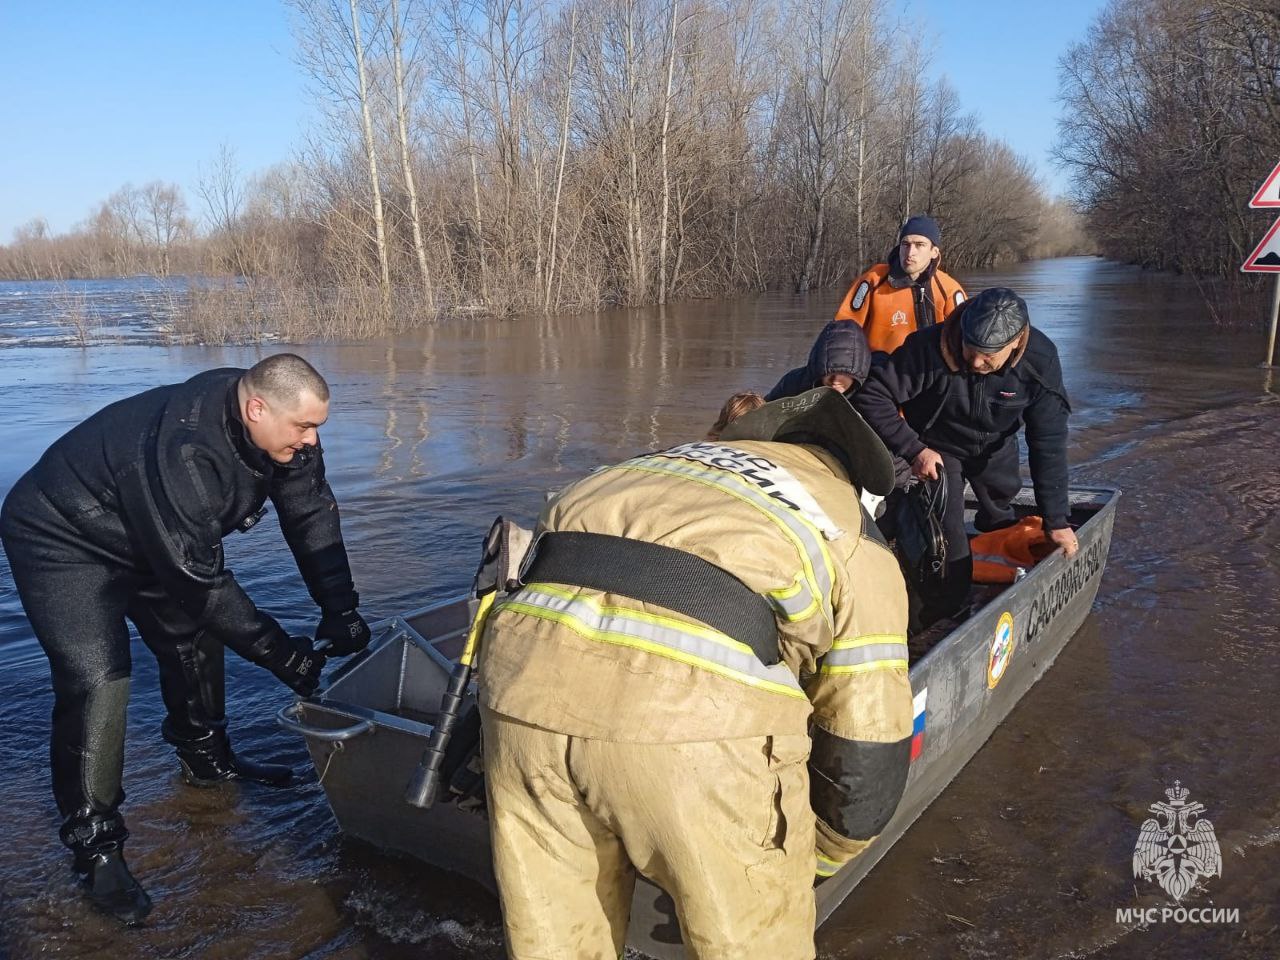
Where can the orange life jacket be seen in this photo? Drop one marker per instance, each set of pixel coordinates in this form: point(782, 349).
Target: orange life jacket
point(887, 314)
point(998, 555)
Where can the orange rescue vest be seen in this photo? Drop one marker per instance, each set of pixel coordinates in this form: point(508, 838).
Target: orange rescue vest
point(998, 555)
point(887, 314)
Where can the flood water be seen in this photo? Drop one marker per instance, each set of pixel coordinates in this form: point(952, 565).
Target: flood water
point(1027, 854)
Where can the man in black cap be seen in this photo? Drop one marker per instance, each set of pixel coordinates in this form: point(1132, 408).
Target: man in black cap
point(965, 388)
point(123, 517)
point(905, 293)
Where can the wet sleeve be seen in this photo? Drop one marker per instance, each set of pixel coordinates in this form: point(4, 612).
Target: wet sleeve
point(857, 301)
point(309, 520)
point(167, 501)
point(1046, 422)
point(861, 695)
point(898, 379)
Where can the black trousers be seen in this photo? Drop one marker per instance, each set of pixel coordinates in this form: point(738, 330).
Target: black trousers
point(995, 479)
point(77, 605)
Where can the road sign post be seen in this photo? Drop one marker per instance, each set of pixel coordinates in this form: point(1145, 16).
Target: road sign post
point(1275, 316)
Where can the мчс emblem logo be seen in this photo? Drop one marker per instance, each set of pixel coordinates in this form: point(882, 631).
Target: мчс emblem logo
point(1001, 650)
point(1177, 846)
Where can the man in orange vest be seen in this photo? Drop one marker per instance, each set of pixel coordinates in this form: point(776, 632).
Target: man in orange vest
point(905, 294)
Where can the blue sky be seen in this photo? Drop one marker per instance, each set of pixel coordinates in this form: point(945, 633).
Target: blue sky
point(96, 94)
point(1002, 58)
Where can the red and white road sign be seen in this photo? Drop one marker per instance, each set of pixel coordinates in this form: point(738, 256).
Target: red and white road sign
point(1268, 194)
point(1266, 255)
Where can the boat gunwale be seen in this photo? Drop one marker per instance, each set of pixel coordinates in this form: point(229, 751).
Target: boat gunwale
point(1041, 571)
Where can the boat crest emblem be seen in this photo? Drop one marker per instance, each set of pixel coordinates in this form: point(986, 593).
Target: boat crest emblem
point(1001, 649)
point(1181, 849)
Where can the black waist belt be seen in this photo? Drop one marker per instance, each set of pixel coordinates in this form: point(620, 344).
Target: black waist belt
point(665, 576)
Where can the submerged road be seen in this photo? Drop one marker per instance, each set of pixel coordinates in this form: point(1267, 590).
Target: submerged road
point(1027, 854)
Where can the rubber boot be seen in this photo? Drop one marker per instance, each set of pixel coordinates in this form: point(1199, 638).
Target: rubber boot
point(209, 760)
point(87, 754)
point(98, 844)
point(193, 686)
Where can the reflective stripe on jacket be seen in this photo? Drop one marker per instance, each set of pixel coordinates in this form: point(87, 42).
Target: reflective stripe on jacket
point(782, 519)
point(888, 313)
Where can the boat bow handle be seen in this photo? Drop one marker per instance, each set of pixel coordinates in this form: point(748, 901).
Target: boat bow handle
point(288, 718)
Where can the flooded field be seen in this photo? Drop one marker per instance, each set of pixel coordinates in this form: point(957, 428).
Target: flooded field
point(1027, 854)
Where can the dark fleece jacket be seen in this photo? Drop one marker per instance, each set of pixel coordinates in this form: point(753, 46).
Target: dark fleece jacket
point(841, 347)
point(949, 409)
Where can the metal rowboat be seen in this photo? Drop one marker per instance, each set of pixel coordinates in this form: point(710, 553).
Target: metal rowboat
point(367, 729)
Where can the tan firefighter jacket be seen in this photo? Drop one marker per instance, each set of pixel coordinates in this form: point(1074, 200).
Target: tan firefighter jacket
point(783, 519)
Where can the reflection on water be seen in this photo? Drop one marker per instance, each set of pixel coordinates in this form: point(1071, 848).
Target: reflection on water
point(432, 434)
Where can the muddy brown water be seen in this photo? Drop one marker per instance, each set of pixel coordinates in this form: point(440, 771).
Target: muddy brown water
point(1027, 854)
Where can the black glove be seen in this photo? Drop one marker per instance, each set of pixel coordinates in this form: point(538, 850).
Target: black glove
point(346, 633)
point(297, 663)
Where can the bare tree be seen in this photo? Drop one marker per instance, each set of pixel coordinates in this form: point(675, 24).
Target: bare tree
point(1159, 86)
point(827, 28)
point(560, 158)
point(371, 157)
point(664, 148)
point(457, 37)
point(332, 48)
point(406, 165)
point(510, 155)
point(163, 216)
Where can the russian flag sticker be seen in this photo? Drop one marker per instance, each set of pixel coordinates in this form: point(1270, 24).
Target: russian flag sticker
point(919, 713)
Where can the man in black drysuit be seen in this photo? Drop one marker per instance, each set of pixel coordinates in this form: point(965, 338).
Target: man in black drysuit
point(124, 517)
point(965, 387)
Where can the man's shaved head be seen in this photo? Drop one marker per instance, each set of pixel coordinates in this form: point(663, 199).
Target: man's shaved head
point(283, 378)
point(283, 402)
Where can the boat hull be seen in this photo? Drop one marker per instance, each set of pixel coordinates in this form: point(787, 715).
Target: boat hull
point(367, 729)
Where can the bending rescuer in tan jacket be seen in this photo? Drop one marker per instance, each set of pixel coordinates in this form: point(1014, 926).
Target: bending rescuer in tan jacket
point(691, 622)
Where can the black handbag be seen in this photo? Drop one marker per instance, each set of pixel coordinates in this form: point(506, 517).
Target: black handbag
point(919, 540)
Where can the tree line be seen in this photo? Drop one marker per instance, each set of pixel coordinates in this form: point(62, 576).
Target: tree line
point(1171, 120)
point(508, 156)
